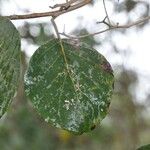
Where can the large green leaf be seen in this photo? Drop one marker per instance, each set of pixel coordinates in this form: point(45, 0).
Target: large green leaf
point(9, 62)
point(69, 86)
point(145, 147)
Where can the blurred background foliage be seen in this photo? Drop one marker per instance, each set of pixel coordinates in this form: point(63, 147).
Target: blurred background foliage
point(126, 127)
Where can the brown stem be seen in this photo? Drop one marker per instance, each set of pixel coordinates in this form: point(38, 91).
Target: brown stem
point(50, 13)
point(140, 21)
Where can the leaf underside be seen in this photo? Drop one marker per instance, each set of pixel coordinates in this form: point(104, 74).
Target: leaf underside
point(69, 86)
point(9, 62)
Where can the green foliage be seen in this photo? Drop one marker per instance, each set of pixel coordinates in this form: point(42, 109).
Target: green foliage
point(145, 147)
point(9, 62)
point(22, 128)
point(70, 86)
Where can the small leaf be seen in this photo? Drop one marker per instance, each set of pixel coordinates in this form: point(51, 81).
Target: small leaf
point(9, 62)
point(69, 86)
point(145, 147)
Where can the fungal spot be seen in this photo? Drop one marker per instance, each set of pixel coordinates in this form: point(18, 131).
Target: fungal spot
point(75, 64)
point(103, 103)
point(107, 67)
point(34, 79)
point(53, 120)
point(67, 104)
point(93, 127)
point(66, 101)
point(47, 119)
point(49, 86)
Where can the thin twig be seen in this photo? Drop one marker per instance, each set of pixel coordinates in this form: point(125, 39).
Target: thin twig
point(140, 21)
point(56, 13)
point(55, 27)
point(104, 22)
point(50, 13)
point(64, 5)
point(106, 12)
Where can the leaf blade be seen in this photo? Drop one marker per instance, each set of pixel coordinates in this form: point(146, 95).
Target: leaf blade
point(9, 62)
point(75, 97)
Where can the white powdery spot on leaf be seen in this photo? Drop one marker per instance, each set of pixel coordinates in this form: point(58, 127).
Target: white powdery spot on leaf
point(49, 86)
point(101, 110)
point(47, 119)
